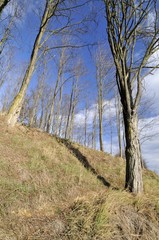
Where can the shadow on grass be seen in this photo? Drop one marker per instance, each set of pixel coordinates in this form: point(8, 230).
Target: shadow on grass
point(84, 162)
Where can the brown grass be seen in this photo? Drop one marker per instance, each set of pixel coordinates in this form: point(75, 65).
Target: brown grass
point(46, 192)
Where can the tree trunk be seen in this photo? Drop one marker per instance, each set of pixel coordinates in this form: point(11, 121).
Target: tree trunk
point(133, 181)
point(16, 106)
point(100, 113)
point(85, 125)
point(100, 117)
point(59, 104)
point(60, 72)
point(118, 123)
point(94, 130)
point(69, 113)
point(100, 135)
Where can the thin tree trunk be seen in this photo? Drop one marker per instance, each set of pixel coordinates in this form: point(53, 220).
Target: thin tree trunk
point(100, 76)
point(60, 119)
point(118, 123)
point(74, 103)
point(41, 119)
point(37, 96)
point(100, 112)
point(133, 181)
point(69, 113)
point(60, 72)
point(85, 124)
point(94, 130)
point(57, 125)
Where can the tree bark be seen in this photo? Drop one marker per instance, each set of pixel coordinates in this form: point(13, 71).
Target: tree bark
point(133, 181)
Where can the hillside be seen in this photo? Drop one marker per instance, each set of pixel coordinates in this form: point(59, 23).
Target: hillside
point(55, 189)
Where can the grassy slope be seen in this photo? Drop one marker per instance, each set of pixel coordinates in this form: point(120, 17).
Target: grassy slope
point(46, 192)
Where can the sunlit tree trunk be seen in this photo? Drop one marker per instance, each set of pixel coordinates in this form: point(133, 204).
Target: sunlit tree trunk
point(133, 180)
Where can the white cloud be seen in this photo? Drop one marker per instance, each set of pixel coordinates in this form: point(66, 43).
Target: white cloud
point(150, 151)
point(151, 85)
point(151, 19)
point(109, 111)
point(150, 141)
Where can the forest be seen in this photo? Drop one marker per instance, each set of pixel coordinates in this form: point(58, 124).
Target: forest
point(78, 70)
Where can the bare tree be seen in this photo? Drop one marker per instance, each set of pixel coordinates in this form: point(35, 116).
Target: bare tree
point(54, 10)
point(100, 77)
point(8, 23)
point(111, 127)
point(128, 28)
point(46, 101)
point(103, 69)
point(14, 110)
point(59, 110)
point(37, 93)
point(118, 122)
point(94, 129)
point(78, 71)
point(5, 67)
point(61, 66)
point(86, 111)
point(72, 106)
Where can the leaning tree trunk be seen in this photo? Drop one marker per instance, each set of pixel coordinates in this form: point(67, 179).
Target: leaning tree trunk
point(133, 181)
point(16, 106)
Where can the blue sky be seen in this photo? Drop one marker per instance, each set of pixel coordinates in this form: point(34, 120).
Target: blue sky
point(24, 34)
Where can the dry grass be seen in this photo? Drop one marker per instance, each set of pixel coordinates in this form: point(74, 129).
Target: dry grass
point(47, 193)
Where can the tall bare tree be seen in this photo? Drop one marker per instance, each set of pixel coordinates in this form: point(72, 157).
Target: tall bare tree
point(61, 65)
point(94, 129)
point(103, 69)
point(130, 29)
point(118, 122)
point(59, 110)
point(14, 111)
point(72, 106)
point(78, 71)
point(37, 92)
point(100, 77)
